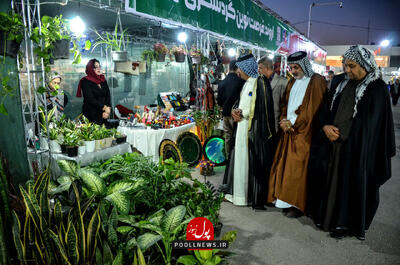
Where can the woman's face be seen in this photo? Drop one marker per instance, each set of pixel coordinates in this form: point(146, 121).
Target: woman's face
point(97, 68)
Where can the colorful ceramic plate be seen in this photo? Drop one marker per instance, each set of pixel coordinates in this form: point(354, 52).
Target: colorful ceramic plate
point(168, 149)
point(190, 147)
point(214, 150)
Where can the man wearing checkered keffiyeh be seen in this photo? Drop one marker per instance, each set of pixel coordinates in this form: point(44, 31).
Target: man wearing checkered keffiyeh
point(254, 149)
point(351, 155)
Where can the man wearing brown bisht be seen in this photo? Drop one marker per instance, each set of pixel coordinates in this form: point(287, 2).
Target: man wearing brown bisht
point(288, 179)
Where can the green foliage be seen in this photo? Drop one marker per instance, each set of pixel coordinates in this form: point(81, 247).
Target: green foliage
point(209, 257)
point(148, 56)
point(5, 219)
point(112, 41)
point(55, 236)
point(12, 24)
point(8, 88)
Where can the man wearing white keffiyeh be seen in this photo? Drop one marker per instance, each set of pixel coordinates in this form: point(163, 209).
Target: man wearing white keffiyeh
point(350, 157)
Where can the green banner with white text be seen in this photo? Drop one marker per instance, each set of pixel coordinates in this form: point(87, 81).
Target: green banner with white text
point(239, 19)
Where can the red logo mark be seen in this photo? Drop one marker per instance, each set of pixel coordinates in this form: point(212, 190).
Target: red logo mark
point(200, 228)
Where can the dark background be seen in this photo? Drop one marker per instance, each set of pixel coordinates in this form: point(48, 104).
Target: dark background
point(384, 17)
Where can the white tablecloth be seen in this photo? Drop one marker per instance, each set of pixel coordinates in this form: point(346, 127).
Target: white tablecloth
point(148, 141)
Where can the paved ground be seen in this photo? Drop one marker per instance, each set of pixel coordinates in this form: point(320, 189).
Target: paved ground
point(268, 237)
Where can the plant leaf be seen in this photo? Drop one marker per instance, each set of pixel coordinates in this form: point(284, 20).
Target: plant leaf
point(145, 241)
point(92, 181)
point(71, 239)
point(67, 166)
point(88, 45)
point(230, 236)
point(118, 258)
point(141, 257)
point(92, 232)
point(187, 260)
point(59, 247)
point(16, 236)
point(124, 229)
point(120, 200)
point(173, 218)
point(3, 109)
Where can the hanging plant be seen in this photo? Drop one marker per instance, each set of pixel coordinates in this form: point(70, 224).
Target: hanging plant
point(11, 33)
point(160, 50)
point(148, 56)
point(53, 30)
point(114, 42)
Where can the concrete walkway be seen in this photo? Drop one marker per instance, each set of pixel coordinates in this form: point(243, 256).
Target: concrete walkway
point(268, 237)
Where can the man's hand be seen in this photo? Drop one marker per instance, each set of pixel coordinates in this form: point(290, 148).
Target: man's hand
point(285, 125)
point(331, 132)
point(237, 115)
point(105, 115)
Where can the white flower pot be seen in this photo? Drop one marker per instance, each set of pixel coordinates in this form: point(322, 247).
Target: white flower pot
point(90, 146)
point(43, 143)
point(108, 142)
point(55, 146)
point(196, 60)
point(100, 144)
point(82, 150)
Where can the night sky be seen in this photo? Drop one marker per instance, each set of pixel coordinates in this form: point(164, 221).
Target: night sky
point(383, 14)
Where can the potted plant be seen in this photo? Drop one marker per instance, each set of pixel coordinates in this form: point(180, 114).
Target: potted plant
point(100, 134)
point(54, 145)
point(53, 41)
point(81, 147)
point(87, 135)
point(206, 167)
point(56, 36)
point(195, 54)
point(11, 33)
point(71, 140)
point(109, 138)
point(115, 42)
point(160, 50)
point(179, 52)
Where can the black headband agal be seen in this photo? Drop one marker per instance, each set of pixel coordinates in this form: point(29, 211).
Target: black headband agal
point(244, 58)
point(296, 56)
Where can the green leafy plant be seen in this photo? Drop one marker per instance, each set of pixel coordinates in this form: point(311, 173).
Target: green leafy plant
point(148, 56)
point(8, 90)
point(165, 227)
point(12, 26)
point(54, 29)
point(209, 257)
point(113, 41)
point(71, 139)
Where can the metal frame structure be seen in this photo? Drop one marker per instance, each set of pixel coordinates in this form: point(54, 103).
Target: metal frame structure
point(34, 73)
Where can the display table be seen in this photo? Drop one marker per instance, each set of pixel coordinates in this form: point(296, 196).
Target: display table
point(147, 141)
point(89, 158)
